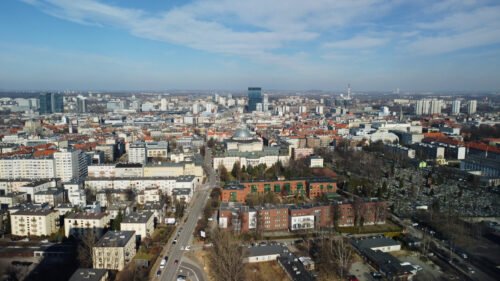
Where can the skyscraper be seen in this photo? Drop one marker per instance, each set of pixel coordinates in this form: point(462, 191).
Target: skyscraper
point(81, 104)
point(472, 107)
point(51, 103)
point(254, 97)
point(455, 107)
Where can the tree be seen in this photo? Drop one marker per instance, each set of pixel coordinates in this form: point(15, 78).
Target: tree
point(115, 225)
point(379, 212)
point(236, 171)
point(337, 254)
point(84, 249)
point(359, 208)
point(224, 175)
point(226, 257)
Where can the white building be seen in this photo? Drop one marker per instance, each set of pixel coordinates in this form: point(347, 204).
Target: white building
point(78, 224)
point(27, 168)
point(472, 107)
point(39, 222)
point(142, 223)
point(114, 250)
point(455, 107)
point(70, 164)
point(137, 153)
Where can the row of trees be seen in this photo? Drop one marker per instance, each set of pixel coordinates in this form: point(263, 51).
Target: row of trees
point(294, 169)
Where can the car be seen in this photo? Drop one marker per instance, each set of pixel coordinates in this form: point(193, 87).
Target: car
point(176, 262)
point(165, 258)
point(352, 278)
point(181, 278)
point(187, 248)
point(158, 273)
point(376, 275)
point(174, 242)
point(471, 270)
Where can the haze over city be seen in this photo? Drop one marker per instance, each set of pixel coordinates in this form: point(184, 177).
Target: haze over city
point(284, 45)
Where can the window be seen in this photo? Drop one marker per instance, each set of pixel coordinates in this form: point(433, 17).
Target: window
point(267, 188)
point(277, 188)
point(254, 188)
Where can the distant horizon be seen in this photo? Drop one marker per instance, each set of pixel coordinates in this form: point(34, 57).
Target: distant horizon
point(244, 91)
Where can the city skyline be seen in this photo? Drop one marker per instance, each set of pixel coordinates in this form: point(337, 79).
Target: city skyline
point(161, 45)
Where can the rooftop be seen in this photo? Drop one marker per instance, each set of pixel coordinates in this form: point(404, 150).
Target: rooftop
point(86, 216)
point(115, 239)
point(142, 217)
point(88, 274)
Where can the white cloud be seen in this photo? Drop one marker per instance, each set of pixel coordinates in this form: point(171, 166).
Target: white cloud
point(207, 25)
point(358, 42)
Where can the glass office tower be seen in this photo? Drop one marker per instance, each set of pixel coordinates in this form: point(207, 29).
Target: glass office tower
point(254, 97)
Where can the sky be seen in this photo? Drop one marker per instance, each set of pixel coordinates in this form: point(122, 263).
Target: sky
point(375, 45)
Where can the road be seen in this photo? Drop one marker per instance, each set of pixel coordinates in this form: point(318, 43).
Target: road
point(184, 234)
point(443, 252)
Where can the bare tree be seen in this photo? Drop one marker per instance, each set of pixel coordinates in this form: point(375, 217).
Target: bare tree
point(84, 250)
point(226, 257)
point(379, 212)
point(360, 210)
point(335, 254)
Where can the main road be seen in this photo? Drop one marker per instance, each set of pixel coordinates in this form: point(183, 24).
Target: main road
point(184, 231)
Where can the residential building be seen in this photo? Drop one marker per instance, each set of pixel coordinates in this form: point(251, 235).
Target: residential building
point(472, 107)
point(78, 224)
point(52, 197)
point(142, 223)
point(34, 222)
point(137, 153)
point(455, 107)
point(114, 250)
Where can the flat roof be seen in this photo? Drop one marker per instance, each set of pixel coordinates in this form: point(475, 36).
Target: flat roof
point(86, 216)
point(265, 250)
point(375, 242)
point(115, 239)
point(88, 274)
point(134, 217)
point(33, 212)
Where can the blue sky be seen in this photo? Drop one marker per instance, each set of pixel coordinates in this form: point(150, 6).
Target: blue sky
point(418, 45)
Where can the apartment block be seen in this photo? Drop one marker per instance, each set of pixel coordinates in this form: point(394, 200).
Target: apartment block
point(142, 223)
point(114, 250)
point(78, 224)
point(34, 222)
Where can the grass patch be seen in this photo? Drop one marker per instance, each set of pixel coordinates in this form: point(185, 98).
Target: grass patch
point(265, 271)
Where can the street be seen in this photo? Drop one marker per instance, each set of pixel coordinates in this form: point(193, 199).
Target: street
point(184, 234)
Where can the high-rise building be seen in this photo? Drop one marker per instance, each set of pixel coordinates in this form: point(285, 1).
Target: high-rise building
point(319, 109)
point(51, 103)
point(455, 107)
point(137, 153)
point(265, 103)
point(422, 107)
point(435, 106)
point(163, 104)
point(81, 104)
point(472, 107)
point(70, 164)
point(254, 97)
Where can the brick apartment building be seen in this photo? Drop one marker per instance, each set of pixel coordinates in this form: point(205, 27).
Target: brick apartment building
point(240, 218)
point(310, 187)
